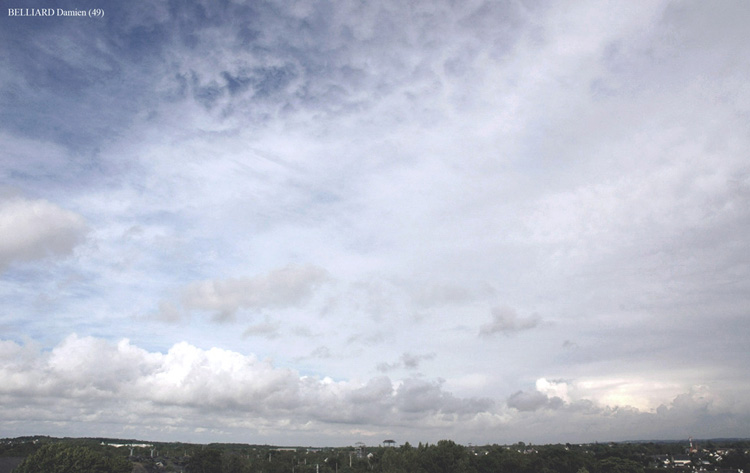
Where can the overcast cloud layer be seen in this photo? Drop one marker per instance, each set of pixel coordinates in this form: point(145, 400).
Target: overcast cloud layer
point(318, 223)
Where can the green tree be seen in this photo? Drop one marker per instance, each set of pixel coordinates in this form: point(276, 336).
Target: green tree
point(206, 460)
point(446, 457)
point(502, 460)
point(232, 462)
point(66, 458)
point(561, 459)
point(619, 465)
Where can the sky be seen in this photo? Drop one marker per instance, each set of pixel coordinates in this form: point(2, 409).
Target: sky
point(329, 222)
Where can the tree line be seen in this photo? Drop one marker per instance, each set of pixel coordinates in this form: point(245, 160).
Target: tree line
point(448, 457)
point(444, 456)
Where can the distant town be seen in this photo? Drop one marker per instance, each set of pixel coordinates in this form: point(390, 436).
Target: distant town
point(83, 455)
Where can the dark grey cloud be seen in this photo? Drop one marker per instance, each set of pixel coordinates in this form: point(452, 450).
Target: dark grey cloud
point(418, 397)
point(532, 401)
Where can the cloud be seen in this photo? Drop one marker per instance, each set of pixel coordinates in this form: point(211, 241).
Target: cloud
point(442, 294)
point(697, 411)
point(416, 396)
point(548, 394)
point(168, 312)
point(506, 320)
point(385, 367)
point(407, 360)
point(531, 401)
point(321, 352)
point(285, 287)
point(412, 361)
point(37, 229)
point(584, 414)
point(265, 329)
point(93, 378)
point(438, 159)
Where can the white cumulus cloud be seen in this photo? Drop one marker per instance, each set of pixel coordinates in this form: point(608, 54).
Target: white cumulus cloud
point(90, 377)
